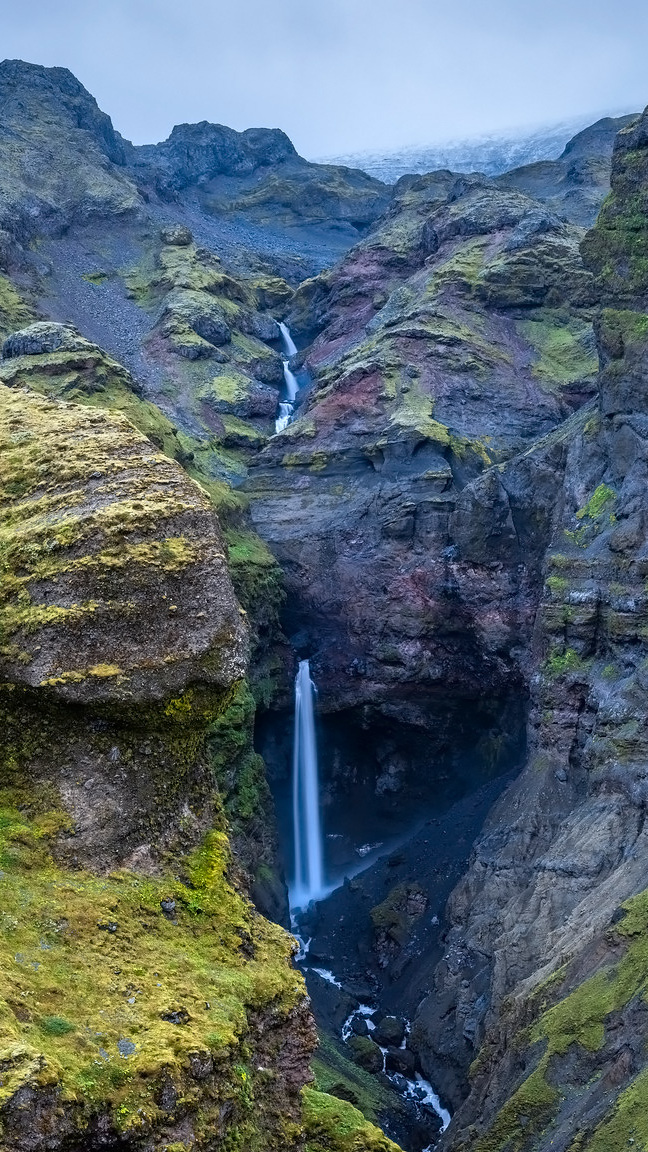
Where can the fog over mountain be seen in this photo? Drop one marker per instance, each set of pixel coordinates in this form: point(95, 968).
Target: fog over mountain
point(491, 154)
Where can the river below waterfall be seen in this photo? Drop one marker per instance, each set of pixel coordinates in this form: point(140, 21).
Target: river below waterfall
point(362, 984)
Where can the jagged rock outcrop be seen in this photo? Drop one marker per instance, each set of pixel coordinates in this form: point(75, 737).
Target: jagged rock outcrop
point(62, 160)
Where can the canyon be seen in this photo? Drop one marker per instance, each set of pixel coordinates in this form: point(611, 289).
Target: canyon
point(260, 414)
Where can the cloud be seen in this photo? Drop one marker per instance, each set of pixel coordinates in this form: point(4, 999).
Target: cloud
point(341, 74)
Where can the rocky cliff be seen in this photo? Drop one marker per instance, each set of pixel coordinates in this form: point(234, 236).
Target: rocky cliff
point(452, 530)
point(520, 571)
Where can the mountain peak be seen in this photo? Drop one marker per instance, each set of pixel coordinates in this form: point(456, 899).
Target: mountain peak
point(44, 94)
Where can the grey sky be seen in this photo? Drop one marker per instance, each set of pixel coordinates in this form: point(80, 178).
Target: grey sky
point(340, 75)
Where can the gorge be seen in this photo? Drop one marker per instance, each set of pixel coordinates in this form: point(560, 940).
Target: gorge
point(265, 425)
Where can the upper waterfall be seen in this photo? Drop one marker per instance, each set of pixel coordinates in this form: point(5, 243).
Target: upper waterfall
point(290, 348)
point(287, 406)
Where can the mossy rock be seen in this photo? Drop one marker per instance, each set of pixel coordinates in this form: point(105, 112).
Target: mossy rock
point(366, 1053)
point(131, 1002)
point(333, 1125)
point(113, 579)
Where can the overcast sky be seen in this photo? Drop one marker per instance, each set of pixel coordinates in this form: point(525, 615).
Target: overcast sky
point(341, 75)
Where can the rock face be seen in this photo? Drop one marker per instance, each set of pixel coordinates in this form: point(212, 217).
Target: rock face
point(116, 583)
point(577, 183)
point(62, 160)
point(459, 512)
point(533, 958)
point(122, 641)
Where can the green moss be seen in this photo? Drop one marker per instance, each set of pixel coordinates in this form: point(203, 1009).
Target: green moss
point(228, 387)
point(15, 312)
point(564, 348)
point(333, 1125)
point(338, 1076)
point(462, 267)
point(100, 949)
point(398, 912)
point(580, 1019)
point(527, 1112)
point(241, 778)
point(257, 579)
point(557, 585)
point(560, 663)
point(598, 503)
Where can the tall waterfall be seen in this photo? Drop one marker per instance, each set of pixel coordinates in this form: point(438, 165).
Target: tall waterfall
point(309, 867)
point(287, 407)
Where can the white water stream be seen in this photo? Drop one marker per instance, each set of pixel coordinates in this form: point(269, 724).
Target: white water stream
point(287, 407)
point(308, 883)
point(418, 1090)
point(290, 348)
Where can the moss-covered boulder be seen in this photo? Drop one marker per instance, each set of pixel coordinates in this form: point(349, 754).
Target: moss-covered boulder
point(114, 583)
point(333, 1125)
point(144, 1012)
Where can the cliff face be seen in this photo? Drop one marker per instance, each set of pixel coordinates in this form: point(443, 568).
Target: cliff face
point(459, 514)
point(534, 960)
point(137, 980)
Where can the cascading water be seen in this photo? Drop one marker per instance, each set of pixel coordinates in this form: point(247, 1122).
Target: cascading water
point(287, 407)
point(309, 867)
point(290, 348)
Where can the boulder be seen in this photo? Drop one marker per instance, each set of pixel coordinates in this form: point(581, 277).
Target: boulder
point(43, 337)
point(366, 1054)
point(389, 1031)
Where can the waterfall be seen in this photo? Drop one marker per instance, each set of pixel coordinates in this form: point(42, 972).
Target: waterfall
point(290, 348)
point(309, 870)
point(287, 407)
point(283, 419)
point(292, 387)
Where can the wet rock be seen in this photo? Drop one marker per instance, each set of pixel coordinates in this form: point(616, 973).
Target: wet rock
point(401, 1060)
point(389, 1031)
point(360, 1026)
point(366, 1054)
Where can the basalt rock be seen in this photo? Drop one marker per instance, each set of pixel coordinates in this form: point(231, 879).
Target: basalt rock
point(457, 334)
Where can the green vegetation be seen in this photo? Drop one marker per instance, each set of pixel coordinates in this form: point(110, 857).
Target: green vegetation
point(564, 347)
point(580, 1019)
point(598, 503)
point(257, 580)
point(338, 1076)
point(15, 312)
point(560, 663)
point(104, 994)
point(333, 1125)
